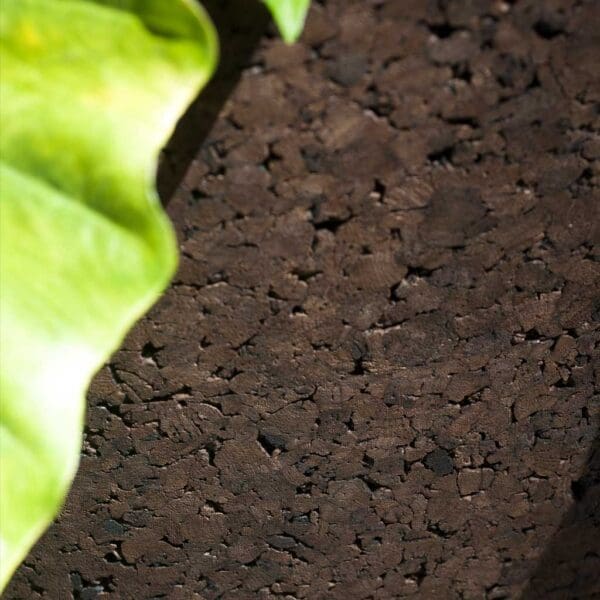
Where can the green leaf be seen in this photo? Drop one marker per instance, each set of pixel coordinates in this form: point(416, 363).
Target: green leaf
point(90, 92)
point(289, 16)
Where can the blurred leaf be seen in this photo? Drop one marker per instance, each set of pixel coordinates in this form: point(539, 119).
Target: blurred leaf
point(289, 16)
point(90, 92)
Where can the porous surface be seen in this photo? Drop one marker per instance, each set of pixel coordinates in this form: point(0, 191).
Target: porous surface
point(375, 375)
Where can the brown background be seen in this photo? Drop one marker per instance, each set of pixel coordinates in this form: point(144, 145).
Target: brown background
point(375, 375)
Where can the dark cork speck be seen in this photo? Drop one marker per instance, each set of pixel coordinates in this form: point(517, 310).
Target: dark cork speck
point(440, 462)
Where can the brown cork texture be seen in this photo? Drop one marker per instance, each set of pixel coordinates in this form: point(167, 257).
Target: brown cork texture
point(376, 373)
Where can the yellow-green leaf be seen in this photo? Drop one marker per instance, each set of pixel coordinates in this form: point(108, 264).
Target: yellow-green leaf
point(289, 16)
point(90, 91)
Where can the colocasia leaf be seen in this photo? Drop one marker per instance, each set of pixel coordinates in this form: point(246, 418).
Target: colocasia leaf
point(90, 92)
point(289, 16)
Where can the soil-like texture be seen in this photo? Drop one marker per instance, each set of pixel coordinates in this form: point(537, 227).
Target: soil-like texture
point(375, 375)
